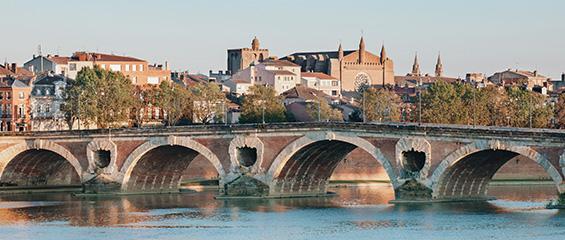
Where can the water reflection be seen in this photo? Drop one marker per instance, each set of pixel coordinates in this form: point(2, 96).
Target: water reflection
point(353, 211)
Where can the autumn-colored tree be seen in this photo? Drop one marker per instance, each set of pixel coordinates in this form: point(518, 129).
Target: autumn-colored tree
point(173, 99)
point(560, 111)
point(320, 110)
point(260, 103)
point(208, 103)
point(381, 105)
point(441, 103)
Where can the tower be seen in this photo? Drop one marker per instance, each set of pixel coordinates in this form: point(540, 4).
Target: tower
point(340, 53)
point(384, 57)
point(362, 50)
point(439, 66)
point(416, 66)
point(255, 44)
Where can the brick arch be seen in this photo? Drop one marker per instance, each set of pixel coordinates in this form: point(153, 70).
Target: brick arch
point(436, 180)
point(9, 154)
point(153, 143)
point(293, 148)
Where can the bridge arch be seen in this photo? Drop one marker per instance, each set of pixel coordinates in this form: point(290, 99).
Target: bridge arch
point(467, 171)
point(183, 149)
point(24, 157)
point(304, 166)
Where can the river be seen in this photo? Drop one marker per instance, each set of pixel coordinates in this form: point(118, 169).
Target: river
point(355, 212)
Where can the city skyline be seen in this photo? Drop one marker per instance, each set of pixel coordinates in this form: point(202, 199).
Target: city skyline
point(195, 35)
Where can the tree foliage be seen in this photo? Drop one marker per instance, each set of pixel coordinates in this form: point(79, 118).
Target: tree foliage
point(326, 112)
point(173, 99)
point(208, 103)
point(101, 97)
point(262, 100)
point(381, 105)
point(464, 104)
point(560, 111)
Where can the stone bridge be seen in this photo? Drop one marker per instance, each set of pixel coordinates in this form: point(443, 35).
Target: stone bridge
point(423, 162)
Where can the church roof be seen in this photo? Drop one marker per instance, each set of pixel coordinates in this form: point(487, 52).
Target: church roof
point(330, 54)
point(279, 63)
point(354, 56)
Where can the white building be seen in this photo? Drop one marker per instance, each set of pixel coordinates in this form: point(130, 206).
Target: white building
point(46, 101)
point(322, 82)
point(282, 75)
point(55, 64)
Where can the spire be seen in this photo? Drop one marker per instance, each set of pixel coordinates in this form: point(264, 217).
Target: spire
point(255, 44)
point(416, 66)
point(340, 52)
point(439, 66)
point(384, 57)
point(361, 50)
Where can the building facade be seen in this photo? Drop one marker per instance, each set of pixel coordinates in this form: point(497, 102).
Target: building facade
point(282, 75)
point(46, 100)
point(322, 82)
point(54, 64)
point(241, 58)
point(354, 68)
point(140, 72)
point(517, 77)
point(15, 105)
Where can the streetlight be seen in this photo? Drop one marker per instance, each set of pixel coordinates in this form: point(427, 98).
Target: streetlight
point(364, 116)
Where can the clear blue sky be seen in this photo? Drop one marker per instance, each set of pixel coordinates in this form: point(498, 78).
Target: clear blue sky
point(478, 35)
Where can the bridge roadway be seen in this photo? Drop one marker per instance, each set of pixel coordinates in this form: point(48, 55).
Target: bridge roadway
point(424, 162)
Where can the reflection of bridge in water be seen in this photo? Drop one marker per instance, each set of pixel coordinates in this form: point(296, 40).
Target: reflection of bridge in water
point(427, 162)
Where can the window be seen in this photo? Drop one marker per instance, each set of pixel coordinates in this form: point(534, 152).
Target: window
point(103, 66)
point(116, 67)
point(1, 95)
point(134, 68)
point(22, 95)
point(153, 80)
point(9, 109)
point(72, 67)
point(127, 67)
point(334, 92)
point(38, 92)
point(140, 68)
point(335, 83)
point(21, 111)
point(47, 92)
point(47, 109)
point(8, 95)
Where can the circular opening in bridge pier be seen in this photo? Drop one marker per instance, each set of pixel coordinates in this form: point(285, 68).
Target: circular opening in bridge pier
point(413, 161)
point(102, 158)
point(247, 156)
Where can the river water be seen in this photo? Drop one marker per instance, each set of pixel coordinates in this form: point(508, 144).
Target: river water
point(356, 212)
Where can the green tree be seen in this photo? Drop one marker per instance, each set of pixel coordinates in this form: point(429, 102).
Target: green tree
point(440, 103)
point(173, 99)
point(262, 100)
point(208, 103)
point(99, 96)
point(381, 105)
point(525, 105)
point(326, 111)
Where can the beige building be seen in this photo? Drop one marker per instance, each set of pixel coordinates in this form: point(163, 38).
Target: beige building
point(242, 58)
point(322, 82)
point(354, 68)
point(280, 74)
point(519, 77)
point(138, 71)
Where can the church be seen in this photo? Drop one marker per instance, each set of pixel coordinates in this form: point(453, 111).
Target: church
point(354, 68)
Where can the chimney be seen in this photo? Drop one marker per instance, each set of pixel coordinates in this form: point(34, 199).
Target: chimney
point(563, 77)
point(14, 68)
point(166, 65)
point(535, 73)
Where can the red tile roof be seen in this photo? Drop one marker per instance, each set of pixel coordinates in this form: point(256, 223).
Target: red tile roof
point(317, 75)
point(279, 63)
point(4, 71)
point(80, 56)
point(282, 72)
point(59, 59)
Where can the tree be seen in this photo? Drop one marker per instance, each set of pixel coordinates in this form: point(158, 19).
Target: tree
point(99, 96)
point(381, 105)
point(208, 103)
point(262, 101)
point(525, 105)
point(560, 111)
point(173, 99)
point(326, 112)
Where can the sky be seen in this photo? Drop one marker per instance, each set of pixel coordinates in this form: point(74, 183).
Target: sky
point(472, 35)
